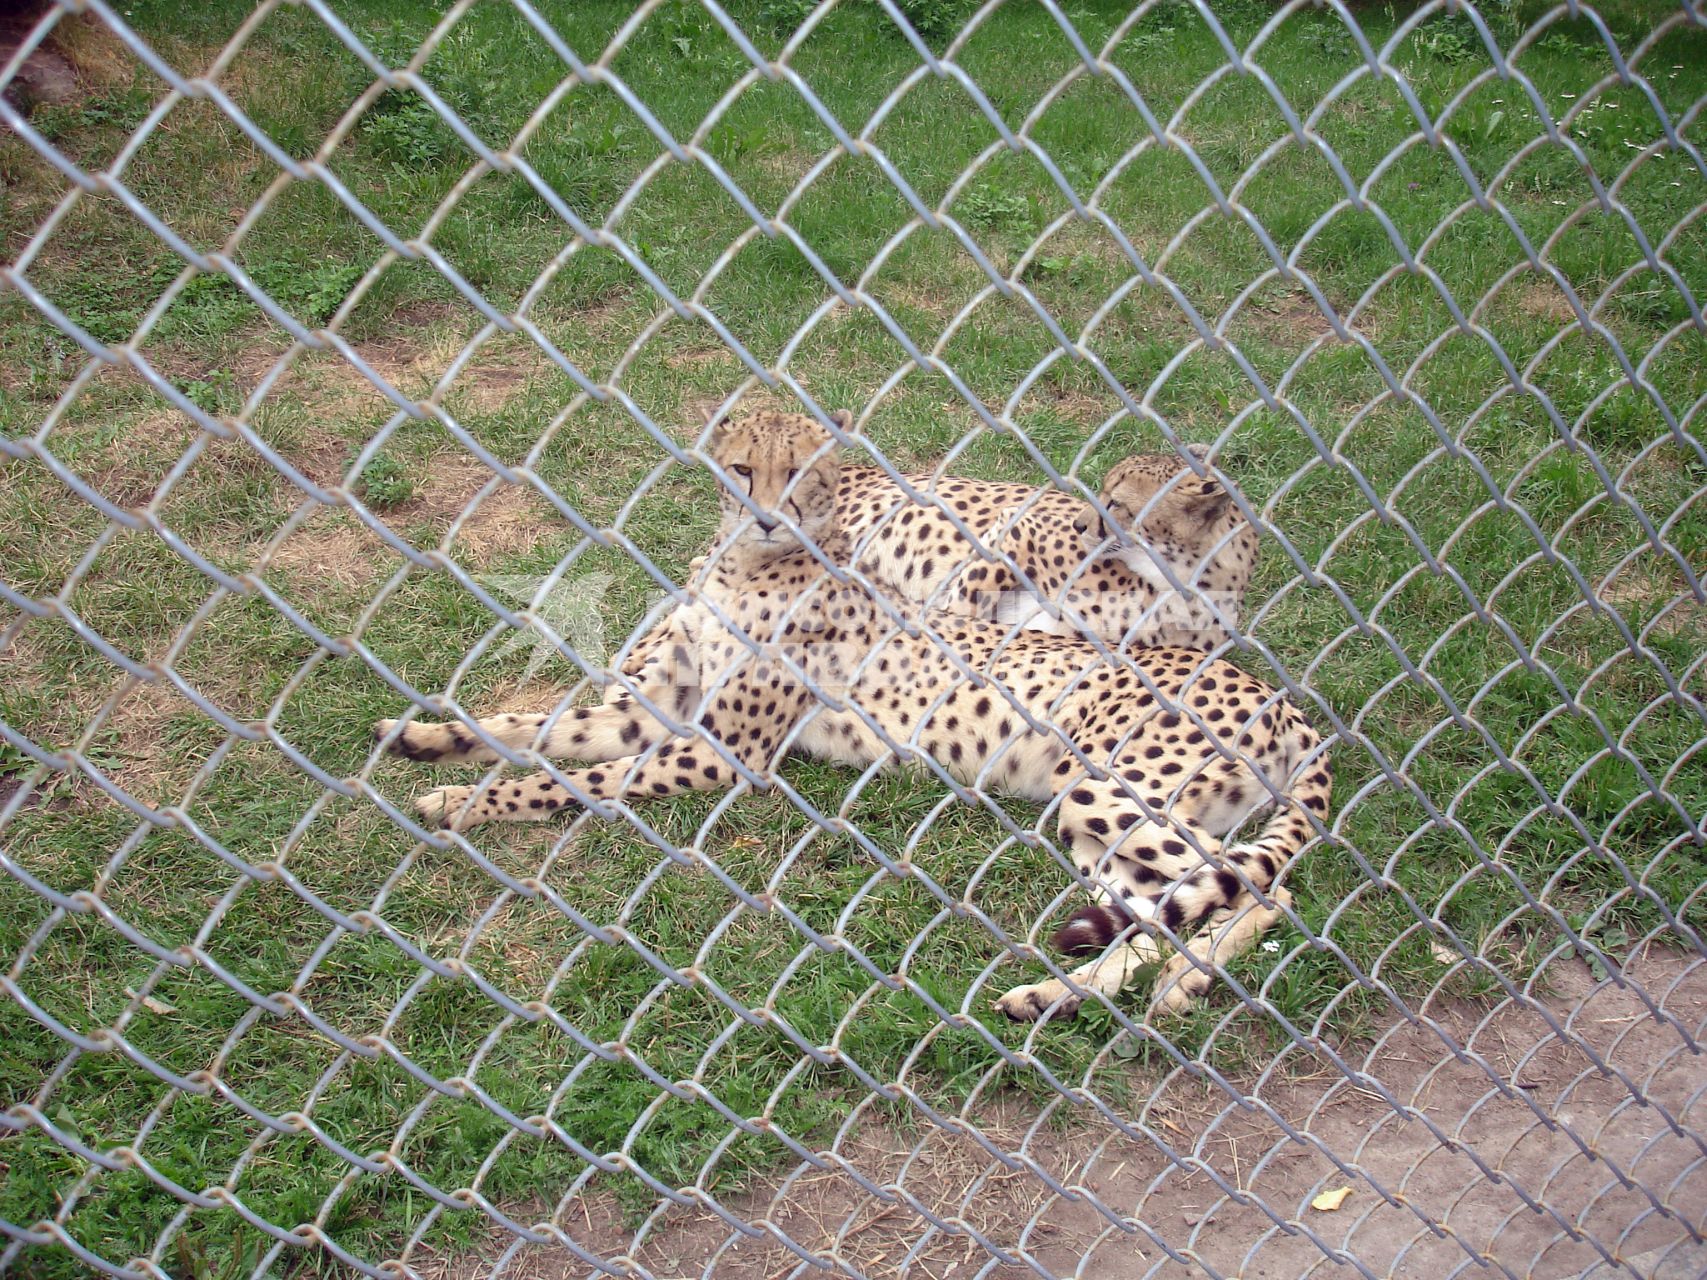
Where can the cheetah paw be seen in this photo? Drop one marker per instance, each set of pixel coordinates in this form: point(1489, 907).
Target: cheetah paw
point(447, 807)
point(1178, 989)
point(413, 743)
point(1033, 1003)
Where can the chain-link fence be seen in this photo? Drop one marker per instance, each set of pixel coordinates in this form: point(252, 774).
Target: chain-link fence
point(356, 356)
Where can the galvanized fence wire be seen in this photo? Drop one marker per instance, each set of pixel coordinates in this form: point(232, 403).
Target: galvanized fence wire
point(33, 1108)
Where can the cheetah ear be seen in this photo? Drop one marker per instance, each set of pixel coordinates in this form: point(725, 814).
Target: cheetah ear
point(1206, 505)
point(719, 430)
point(1115, 477)
point(1198, 451)
point(843, 419)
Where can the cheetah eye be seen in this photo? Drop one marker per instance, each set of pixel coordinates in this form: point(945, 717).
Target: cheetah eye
point(793, 472)
point(746, 473)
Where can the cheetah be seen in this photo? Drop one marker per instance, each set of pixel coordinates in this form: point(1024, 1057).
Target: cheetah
point(1147, 762)
point(1167, 521)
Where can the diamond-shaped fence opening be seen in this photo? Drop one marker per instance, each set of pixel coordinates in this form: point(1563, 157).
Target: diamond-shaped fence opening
point(357, 361)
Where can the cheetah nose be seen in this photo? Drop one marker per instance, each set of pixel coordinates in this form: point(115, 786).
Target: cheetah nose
point(769, 526)
point(1088, 522)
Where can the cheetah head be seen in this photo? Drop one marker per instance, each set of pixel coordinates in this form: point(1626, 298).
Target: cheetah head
point(1156, 500)
point(786, 466)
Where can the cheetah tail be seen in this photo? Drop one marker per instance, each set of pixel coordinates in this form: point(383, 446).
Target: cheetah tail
point(1091, 928)
point(1210, 888)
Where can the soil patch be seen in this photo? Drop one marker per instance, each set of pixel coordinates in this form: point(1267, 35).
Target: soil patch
point(80, 54)
point(332, 547)
point(1587, 1101)
point(47, 75)
point(505, 521)
point(1286, 319)
point(1540, 299)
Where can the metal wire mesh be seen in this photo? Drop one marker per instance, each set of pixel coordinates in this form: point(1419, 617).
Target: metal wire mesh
point(1551, 1125)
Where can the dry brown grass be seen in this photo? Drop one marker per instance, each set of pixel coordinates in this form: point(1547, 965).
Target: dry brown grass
point(507, 520)
point(331, 548)
point(1540, 299)
point(1282, 316)
point(101, 58)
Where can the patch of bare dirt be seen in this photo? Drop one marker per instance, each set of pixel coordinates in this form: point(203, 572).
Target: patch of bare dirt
point(941, 304)
point(1589, 1101)
point(1081, 407)
point(140, 762)
point(1288, 319)
point(48, 75)
point(789, 165)
point(700, 357)
point(489, 388)
point(99, 57)
point(129, 472)
point(39, 798)
point(1642, 586)
point(318, 454)
point(412, 361)
point(1540, 299)
point(129, 745)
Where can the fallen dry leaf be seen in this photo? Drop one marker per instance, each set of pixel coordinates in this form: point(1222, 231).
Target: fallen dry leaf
point(1328, 1201)
point(151, 1004)
point(1443, 954)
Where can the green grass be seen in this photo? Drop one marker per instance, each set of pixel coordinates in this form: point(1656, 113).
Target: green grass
point(1610, 765)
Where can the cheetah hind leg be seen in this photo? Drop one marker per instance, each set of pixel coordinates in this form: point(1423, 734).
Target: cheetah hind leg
point(1184, 978)
point(1104, 976)
point(1107, 929)
point(1227, 933)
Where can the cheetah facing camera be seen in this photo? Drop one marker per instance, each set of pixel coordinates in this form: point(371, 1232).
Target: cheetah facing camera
point(1150, 761)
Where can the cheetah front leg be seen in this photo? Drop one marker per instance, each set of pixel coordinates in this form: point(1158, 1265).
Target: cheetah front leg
point(676, 767)
point(618, 728)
